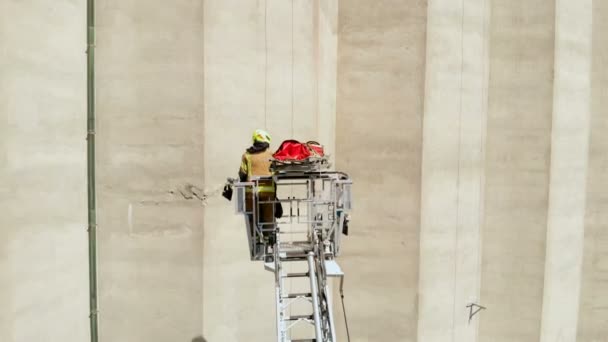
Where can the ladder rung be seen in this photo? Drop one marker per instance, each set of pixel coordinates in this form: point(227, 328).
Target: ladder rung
point(296, 275)
point(294, 257)
point(297, 295)
point(299, 317)
point(293, 254)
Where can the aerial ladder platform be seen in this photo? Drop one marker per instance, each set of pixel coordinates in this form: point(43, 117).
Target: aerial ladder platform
point(301, 245)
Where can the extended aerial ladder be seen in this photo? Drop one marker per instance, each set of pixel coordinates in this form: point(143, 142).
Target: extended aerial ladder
point(301, 246)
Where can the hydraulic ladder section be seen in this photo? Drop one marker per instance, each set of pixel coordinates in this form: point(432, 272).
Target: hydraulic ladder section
point(317, 297)
point(300, 247)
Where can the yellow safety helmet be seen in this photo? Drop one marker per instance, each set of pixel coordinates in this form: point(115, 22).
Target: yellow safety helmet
point(260, 135)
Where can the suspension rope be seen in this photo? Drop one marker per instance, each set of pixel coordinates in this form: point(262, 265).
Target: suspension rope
point(265, 64)
point(292, 71)
point(345, 318)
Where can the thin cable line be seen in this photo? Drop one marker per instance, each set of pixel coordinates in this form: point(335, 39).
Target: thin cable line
point(345, 318)
point(458, 170)
point(482, 139)
point(316, 60)
point(292, 129)
point(292, 71)
point(266, 64)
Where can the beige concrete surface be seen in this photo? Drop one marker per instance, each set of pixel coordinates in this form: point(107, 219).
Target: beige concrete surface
point(260, 72)
point(234, 64)
point(150, 146)
point(326, 64)
point(593, 310)
point(517, 169)
point(381, 54)
point(474, 131)
point(43, 250)
point(453, 168)
point(569, 161)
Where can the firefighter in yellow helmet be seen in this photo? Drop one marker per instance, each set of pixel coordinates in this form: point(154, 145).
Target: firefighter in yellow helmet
point(256, 162)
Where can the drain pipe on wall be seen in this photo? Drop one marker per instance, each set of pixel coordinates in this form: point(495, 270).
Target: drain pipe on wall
point(92, 229)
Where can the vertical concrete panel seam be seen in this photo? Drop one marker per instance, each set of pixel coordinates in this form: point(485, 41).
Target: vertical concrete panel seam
point(203, 161)
point(586, 182)
point(586, 197)
point(514, 22)
point(552, 287)
point(425, 52)
point(204, 174)
point(482, 152)
point(591, 327)
point(454, 300)
point(550, 161)
point(421, 171)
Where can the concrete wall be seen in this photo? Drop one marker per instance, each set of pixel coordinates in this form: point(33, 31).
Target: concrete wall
point(235, 102)
point(569, 170)
point(520, 101)
point(150, 154)
point(511, 184)
point(43, 248)
point(264, 68)
point(455, 111)
point(593, 318)
point(326, 22)
point(474, 132)
point(381, 55)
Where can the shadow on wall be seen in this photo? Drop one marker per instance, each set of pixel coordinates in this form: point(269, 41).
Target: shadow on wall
point(199, 339)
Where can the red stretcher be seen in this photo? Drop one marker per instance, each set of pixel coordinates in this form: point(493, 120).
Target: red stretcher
point(293, 155)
